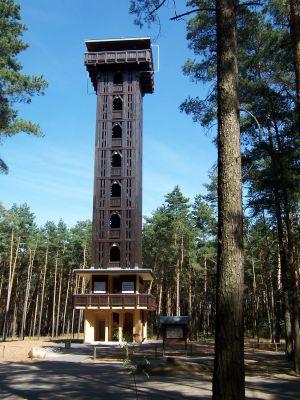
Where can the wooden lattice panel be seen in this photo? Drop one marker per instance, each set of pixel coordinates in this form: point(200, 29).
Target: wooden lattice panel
point(126, 178)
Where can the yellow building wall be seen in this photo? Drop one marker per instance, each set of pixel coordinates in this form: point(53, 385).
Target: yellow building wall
point(92, 318)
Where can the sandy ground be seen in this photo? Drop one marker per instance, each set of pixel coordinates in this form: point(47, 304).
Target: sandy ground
point(17, 350)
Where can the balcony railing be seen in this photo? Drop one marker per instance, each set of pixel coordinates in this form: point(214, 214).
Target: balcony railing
point(114, 264)
point(114, 300)
point(117, 88)
point(106, 57)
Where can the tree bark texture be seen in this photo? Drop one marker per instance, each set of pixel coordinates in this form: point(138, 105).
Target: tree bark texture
point(229, 375)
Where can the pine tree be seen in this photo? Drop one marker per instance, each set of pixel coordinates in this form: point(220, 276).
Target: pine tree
point(15, 86)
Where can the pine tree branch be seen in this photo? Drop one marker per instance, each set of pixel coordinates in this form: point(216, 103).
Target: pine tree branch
point(190, 12)
point(177, 16)
point(250, 3)
point(158, 7)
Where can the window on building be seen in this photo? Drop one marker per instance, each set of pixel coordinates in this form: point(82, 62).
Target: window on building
point(116, 160)
point(116, 318)
point(115, 189)
point(115, 221)
point(117, 131)
point(118, 78)
point(127, 287)
point(114, 255)
point(99, 287)
point(117, 104)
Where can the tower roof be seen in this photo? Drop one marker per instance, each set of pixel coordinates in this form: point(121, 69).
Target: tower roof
point(118, 44)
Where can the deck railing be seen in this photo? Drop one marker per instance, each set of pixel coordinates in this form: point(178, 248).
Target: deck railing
point(114, 300)
point(106, 57)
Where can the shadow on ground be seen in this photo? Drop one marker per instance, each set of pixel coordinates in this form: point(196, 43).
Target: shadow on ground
point(66, 380)
point(71, 374)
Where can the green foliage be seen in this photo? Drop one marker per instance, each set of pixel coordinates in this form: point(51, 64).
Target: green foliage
point(144, 11)
point(182, 235)
point(15, 86)
point(68, 248)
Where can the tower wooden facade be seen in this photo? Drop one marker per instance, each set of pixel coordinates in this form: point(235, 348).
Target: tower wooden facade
point(121, 72)
point(115, 303)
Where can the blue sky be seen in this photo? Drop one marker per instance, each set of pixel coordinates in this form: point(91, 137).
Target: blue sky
point(54, 174)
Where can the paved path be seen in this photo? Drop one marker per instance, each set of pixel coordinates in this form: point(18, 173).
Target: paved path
point(74, 375)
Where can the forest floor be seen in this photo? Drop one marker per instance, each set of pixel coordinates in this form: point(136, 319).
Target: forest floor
point(73, 373)
point(17, 350)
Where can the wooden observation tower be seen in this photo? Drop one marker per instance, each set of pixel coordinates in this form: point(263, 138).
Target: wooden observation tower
point(121, 71)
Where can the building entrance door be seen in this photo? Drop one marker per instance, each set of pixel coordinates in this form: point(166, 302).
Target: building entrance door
point(128, 327)
point(100, 331)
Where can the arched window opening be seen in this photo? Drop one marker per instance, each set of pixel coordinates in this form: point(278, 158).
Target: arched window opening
point(115, 221)
point(114, 255)
point(117, 132)
point(117, 104)
point(115, 189)
point(118, 78)
point(116, 160)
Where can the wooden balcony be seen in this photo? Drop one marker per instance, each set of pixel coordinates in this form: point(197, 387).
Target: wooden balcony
point(143, 301)
point(138, 59)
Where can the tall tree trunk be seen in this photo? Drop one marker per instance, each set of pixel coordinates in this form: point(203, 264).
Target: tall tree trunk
point(254, 302)
point(66, 303)
point(229, 374)
point(15, 312)
point(290, 254)
point(73, 311)
point(1, 282)
point(54, 295)
point(58, 304)
point(12, 267)
point(205, 302)
point(43, 291)
point(35, 314)
point(293, 284)
point(159, 307)
point(278, 308)
point(295, 35)
point(177, 288)
point(27, 293)
point(190, 296)
point(284, 262)
point(169, 303)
